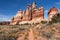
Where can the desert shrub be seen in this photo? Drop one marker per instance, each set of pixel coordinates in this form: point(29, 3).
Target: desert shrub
point(12, 38)
point(50, 22)
point(2, 37)
point(1, 32)
point(55, 19)
point(43, 22)
point(47, 34)
point(57, 38)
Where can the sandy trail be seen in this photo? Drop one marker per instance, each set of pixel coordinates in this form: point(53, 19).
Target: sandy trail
point(31, 35)
point(22, 37)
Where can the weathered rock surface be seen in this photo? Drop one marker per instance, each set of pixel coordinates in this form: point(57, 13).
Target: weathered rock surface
point(16, 19)
point(27, 14)
point(38, 14)
point(52, 12)
point(33, 15)
point(33, 6)
point(30, 14)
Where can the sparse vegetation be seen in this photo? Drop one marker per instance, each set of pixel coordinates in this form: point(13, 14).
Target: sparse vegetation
point(55, 19)
point(43, 22)
point(13, 32)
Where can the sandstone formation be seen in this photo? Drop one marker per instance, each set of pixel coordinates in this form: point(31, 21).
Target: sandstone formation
point(38, 14)
point(33, 6)
point(52, 12)
point(27, 14)
point(16, 19)
point(31, 14)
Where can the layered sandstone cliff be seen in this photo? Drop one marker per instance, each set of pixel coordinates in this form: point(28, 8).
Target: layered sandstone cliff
point(31, 14)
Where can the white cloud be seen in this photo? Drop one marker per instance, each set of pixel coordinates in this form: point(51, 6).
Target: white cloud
point(5, 17)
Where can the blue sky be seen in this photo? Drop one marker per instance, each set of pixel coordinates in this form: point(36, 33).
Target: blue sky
point(9, 8)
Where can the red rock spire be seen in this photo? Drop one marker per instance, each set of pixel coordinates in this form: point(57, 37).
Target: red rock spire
point(27, 13)
point(52, 12)
point(34, 5)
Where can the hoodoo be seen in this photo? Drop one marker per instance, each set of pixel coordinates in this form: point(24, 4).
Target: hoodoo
point(32, 15)
point(52, 12)
point(17, 18)
point(27, 14)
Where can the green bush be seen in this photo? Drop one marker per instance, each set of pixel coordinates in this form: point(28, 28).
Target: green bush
point(43, 22)
point(55, 19)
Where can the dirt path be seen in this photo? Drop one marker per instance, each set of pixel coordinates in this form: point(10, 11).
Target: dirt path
point(31, 35)
point(22, 37)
